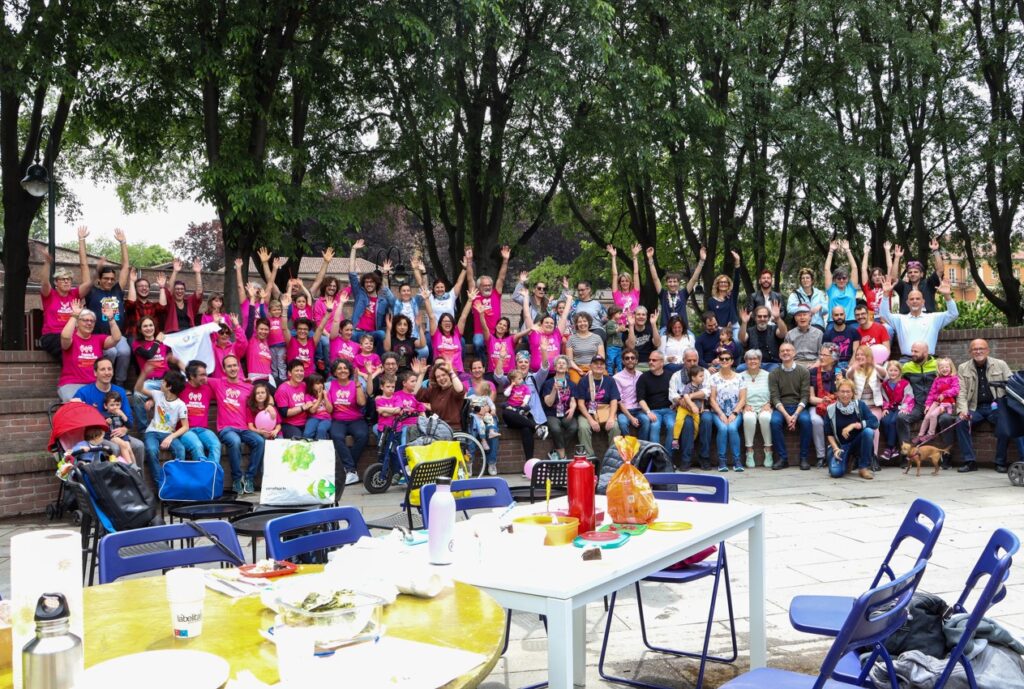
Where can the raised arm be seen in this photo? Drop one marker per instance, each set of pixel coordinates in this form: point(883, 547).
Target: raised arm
point(853, 264)
point(457, 287)
point(302, 286)
point(865, 275)
point(356, 246)
point(636, 267)
point(239, 285)
point(122, 277)
point(467, 308)
point(161, 283)
point(655, 335)
point(418, 272)
point(499, 282)
point(613, 253)
point(894, 267)
point(197, 270)
point(175, 268)
point(68, 332)
point(695, 276)
point(132, 277)
point(655, 280)
point(286, 327)
point(940, 265)
point(470, 279)
point(528, 323)
point(736, 260)
point(428, 311)
point(832, 246)
point(328, 257)
point(888, 257)
point(83, 263)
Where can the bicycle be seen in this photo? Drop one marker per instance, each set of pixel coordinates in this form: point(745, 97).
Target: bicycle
point(378, 476)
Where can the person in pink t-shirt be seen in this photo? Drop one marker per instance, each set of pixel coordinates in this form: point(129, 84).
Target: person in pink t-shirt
point(214, 312)
point(150, 348)
point(348, 400)
point(197, 397)
point(489, 296)
point(231, 393)
point(290, 399)
point(318, 425)
point(262, 415)
point(81, 348)
point(302, 345)
point(544, 337)
point(447, 338)
point(58, 298)
point(258, 356)
point(342, 345)
point(367, 363)
point(501, 341)
point(625, 292)
point(223, 345)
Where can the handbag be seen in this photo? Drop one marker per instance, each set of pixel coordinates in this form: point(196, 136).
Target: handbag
point(822, 406)
point(604, 412)
point(191, 480)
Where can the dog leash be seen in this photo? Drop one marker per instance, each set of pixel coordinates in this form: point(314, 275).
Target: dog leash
point(936, 434)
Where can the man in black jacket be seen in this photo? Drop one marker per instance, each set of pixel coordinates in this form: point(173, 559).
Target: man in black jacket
point(767, 334)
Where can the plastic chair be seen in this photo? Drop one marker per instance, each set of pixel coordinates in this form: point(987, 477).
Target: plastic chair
point(114, 564)
point(873, 617)
point(422, 474)
point(994, 563)
point(328, 534)
point(718, 568)
point(499, 495)
point(555, 469)
point(825, 614)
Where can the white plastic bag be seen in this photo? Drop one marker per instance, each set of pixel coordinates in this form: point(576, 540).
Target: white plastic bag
point(298, 472)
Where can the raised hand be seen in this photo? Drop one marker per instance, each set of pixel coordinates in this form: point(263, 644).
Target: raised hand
point(480, 307)
point(388, 318)
point(524, 275)
point(76, 306)
point(328, 254)
point(612, 251)
point(867, 245)
point(424, 293)
point(744, 316)
point(506, 252)
point(833, 246)
point(654, 317)
point(636, 249)
point(133, 275)
point(934, 244)
point(286, 298)
point(234, 320)
point(108, 311)
point(776, 309)
point(844, 245)
point(703, 253)
point(469, 254)
point(565, 282)
point(358, 244)
point(119, 234)
point(83, 232)
point(472, 294)
point(264, 254)
point(418, 366)
point(250, 291)
point(238, 264)
point(385, 267)
point(887, 245)
point(176, 264)
point(650, 252)
point(735, 256)
point(897, 252)
point(280, 261)
point(197, 266)
point(944, 288)
point(887, 284)
point(161, 280)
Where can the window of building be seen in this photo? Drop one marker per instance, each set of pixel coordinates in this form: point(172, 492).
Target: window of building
point(952, 276)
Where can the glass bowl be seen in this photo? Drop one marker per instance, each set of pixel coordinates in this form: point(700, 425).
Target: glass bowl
point(334, 616)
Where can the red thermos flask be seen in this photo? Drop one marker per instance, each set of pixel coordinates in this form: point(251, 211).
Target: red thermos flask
point(582, 486)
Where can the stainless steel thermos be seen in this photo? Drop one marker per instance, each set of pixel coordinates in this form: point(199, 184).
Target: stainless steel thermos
point(52, 660)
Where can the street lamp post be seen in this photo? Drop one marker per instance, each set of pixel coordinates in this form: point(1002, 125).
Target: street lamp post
point(39, 182)
point(399, 271)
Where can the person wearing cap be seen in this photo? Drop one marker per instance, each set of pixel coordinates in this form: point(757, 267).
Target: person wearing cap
point(58, 298)
point(917, 325)
point(597, 401)
point(805, 339)
point(914, 278)
point(840, 285)
point(764, 295)
point(808, 295)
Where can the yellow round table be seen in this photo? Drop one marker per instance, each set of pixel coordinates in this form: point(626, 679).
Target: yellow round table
point(132, 615)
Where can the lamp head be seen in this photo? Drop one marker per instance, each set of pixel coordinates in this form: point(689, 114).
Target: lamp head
point(36, 181)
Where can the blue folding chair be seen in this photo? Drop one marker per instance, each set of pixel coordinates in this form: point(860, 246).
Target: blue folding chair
point(993, 563)
point(717, 491)
point(485, 493)
point(114, 564)
point(825, 614)
point(872, 618)
point(313, 532)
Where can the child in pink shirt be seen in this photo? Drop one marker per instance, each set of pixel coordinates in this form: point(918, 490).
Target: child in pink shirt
point(318, 425)
point(941, 398)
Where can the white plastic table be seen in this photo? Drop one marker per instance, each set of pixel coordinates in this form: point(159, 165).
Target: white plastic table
point(556, 582)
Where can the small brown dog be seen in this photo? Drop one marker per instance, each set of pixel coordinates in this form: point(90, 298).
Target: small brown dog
point(923, 453)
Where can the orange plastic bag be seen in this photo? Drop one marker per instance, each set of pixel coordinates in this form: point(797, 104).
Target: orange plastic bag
point(630, 498)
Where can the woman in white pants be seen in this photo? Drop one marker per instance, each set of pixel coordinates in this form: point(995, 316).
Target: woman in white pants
point(758, 410)
point(867, 379)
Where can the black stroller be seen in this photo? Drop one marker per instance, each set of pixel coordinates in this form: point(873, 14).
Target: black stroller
point(1011, 409)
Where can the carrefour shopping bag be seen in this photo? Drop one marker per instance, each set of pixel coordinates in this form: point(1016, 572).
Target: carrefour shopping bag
point(298, 472)
point(439, 449)
point(630, 498)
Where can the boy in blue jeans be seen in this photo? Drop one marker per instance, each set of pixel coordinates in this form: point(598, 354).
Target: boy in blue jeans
point(170, 420)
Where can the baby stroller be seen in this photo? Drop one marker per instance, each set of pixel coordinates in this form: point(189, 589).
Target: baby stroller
point(67, 428)
point(1011, 409)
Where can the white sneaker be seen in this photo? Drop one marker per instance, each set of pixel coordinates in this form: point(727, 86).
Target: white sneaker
point(542, 432)
point(492, 469)
point(351, 477)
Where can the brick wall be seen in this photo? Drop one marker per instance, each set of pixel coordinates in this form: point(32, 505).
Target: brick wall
point(28, 389)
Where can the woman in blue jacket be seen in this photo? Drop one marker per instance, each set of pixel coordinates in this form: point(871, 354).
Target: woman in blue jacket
point(850, 429)
point(372, 299)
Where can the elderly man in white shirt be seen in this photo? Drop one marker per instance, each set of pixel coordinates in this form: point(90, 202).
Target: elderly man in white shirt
point(918, 326)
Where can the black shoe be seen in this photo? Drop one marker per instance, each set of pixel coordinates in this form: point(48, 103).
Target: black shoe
point(821, 463)
point(969, 466)
point(947, 462)
point(684, 467)
point(780, 465)
point(1000, 468)
point(805, 465)
point(875, 467)
point(705, 463)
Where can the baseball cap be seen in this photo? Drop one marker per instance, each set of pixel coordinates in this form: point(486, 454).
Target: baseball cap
point(597, 358)
point(803, 308)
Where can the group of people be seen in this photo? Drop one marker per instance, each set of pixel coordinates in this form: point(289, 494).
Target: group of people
point(342, 362)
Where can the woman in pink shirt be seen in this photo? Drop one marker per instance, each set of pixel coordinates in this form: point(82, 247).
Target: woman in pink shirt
point(214, 310)
point(302, 345)
point(58, 299)
point(542, 338)
point(348, 400)
point(81, 348)
point(290, 399)
point(342, 330)
point(258, 357)
point(447, 338)
point(625, 293)
point(150, 349)
point(224, 346)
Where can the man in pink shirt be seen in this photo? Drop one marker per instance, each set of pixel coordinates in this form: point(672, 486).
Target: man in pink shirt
point(489, 295)
point(872, 333)
point(290, 400)
point(199, 441)
point(632, 417)
point(231, 393)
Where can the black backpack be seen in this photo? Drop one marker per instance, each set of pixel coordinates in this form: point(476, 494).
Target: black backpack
point(120, 493)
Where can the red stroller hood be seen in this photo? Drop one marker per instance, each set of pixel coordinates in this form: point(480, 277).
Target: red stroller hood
point(70, 421)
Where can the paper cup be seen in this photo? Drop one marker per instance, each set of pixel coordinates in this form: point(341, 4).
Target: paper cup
point(186, 591)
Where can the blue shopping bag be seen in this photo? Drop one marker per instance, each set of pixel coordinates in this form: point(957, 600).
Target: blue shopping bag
point(192, 480)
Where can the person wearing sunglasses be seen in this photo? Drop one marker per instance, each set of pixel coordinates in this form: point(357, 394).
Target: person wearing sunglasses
point(536, 296)
point(631, 416)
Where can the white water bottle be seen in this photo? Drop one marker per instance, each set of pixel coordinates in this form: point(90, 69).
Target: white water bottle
point(441, 523)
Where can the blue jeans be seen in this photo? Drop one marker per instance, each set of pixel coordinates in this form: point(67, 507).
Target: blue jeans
point(360, 433)
point(202, 443)
point(233, 438)
point(613, 359)
point(665, 420)
point(803, 424)
point(317, 429)
point(993, 416)
point(860, 445)
point(323, 349)
point(153, 440)
point(686, 440)
point(728, 437)
point(291, 431)
point(888, 428)
point(643, 431)
point(481, 348)
point(769, 366)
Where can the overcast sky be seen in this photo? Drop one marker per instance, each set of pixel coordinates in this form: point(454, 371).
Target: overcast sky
point(102, 212)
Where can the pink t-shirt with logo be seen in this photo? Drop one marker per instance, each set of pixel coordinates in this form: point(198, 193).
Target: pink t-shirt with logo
point(237, 349)
point(276, 335)
point(343, 349)
point(288, 396)
point(159, 360)
point(319, 411)
point(321, 308)
point(368, 321)
point(57, 311)
point(496, 348)
point(552, 342)
point(492, 308)
point(197, 400)
point(302, 352)
point(78, 359)
point(345, 401)
point(257, 358)
point(231, 402)
point(517, 395)
point(408, 403)
point(302, 312)
point(366, 363)
point(448, 347)
point(627, 301)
